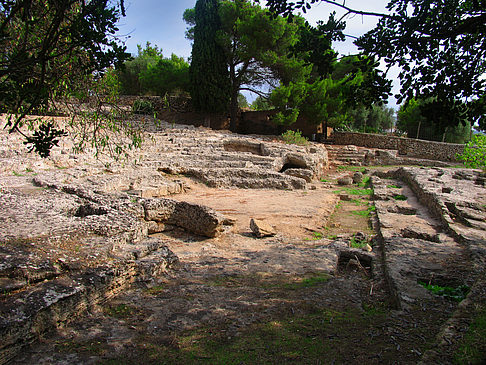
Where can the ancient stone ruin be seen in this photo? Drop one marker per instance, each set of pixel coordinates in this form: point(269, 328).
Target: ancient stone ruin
point(77, 233)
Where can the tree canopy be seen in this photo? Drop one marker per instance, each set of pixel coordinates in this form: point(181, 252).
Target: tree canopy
point(209, 81)
point(151, 73)
point(47, 46)
point(439, 45)
point(255, 46)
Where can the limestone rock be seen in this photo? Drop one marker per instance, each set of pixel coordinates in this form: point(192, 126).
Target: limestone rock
point(346, 180)
point(305, 174)
point(357, 177)
point(195, 218)
point(261, 229)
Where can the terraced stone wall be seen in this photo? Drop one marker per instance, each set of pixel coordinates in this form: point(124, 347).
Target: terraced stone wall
point(405, 146)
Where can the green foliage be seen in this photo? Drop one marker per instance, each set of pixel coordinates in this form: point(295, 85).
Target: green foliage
point(320, 101)
point(294, 137)
point(261, 104)
point(129, 75)
point(456, 294)
point(362, 81)
point(255, 47)
point(435, 55)
point(437, 44)
point(120, 311)
point(242, 102)
point(149, 73)
point(208, 72)
point(474, 154)
point(143, 106)
point(168, 75)
point(425, 119)
point(48, 48)
point(472, 348)
point(377, 119)
point(400, 197)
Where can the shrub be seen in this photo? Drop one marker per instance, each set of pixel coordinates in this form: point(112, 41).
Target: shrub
point(142, 106)
point(474, 154)
point(294, 137)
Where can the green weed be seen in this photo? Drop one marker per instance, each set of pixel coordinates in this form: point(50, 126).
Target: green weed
point(120, 311)
point(155, 290)
point(456, 294)
point(354, 191)
point(15, 173)
point(351, 168)
point(393, 186)
point(399, 197)
point(294, 137)
point(472, 349)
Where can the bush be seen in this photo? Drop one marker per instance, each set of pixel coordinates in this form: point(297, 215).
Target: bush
point(291, 137)
point(142, 106)
point(474, 154)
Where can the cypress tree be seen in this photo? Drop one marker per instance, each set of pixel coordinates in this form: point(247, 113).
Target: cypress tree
point(209, 77)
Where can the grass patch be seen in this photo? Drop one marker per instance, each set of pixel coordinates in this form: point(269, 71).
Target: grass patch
point(365, 182)
point(324, 180)
point(455, 294)
point(264, 282)
point(92, 347)
point(121, 311)
point(351, 168)
point(354, 243)
point(309, 281)
point(15, 173)
point(354, 191)
point(155, 290)
point(364, 213)
point(309, 338)
point(393, 186)
point(400, 197)
point(472, 349)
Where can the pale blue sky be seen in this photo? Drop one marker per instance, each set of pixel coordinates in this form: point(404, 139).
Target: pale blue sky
point(160, 22)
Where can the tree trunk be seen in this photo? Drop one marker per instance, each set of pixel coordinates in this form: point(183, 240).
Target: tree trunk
point(234, 111)
point(418, 129)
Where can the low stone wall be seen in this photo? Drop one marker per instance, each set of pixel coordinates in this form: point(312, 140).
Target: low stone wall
point(409, 147)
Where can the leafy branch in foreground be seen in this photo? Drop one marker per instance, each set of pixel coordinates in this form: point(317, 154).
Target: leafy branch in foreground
point(47, 47)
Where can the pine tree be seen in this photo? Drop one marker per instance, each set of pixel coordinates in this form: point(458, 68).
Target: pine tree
point(210, 84)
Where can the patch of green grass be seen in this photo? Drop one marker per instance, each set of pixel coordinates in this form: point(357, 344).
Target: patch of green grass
point(456, 294)
point(366, 182)
point(472, 349)
point(324, 180)
point(376, 309)
point(393, 186)
point(299, 339)
point(28, 170)
point(308, 281)
point(120, 311)
point(359, 202)
point(364, 213)
point(93, 347)
point(155, 290)
point(358, 244)
point(351, 168)
point(354, 191)
point(399, 197)
point(15, 173)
